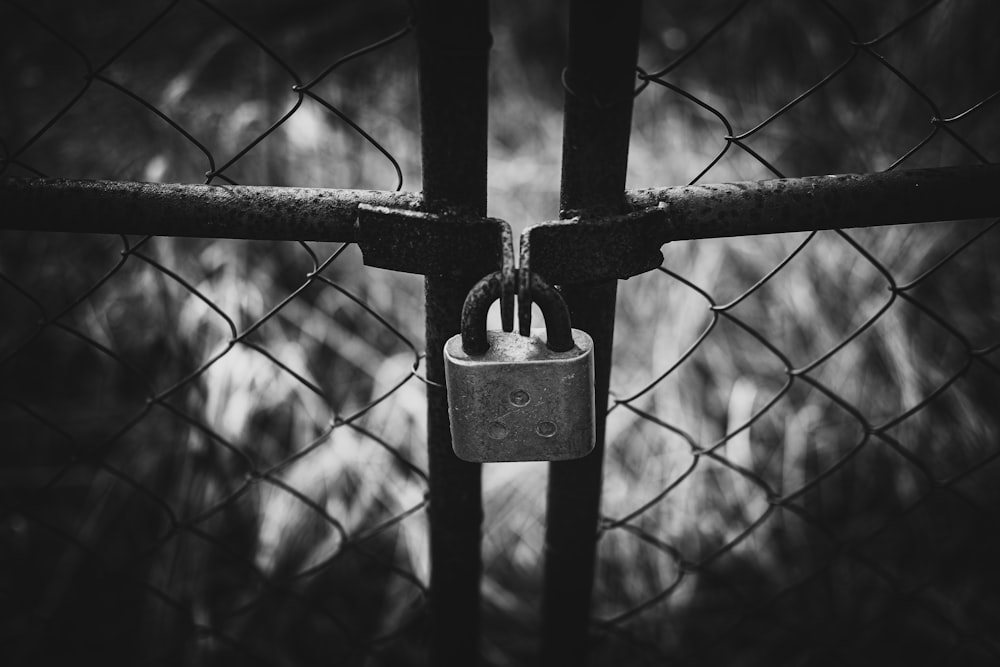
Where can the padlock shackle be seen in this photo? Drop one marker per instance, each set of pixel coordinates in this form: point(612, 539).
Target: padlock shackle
point(477, 305)
point(559, 331)
point(559, 334)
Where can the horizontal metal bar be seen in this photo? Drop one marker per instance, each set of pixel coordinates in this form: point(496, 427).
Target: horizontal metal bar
point(596, 247)
point(214, 211)
point(825, 202)
point(584, 249)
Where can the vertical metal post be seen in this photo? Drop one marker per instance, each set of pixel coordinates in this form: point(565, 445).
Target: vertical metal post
point(600, 76)
point(453, 43)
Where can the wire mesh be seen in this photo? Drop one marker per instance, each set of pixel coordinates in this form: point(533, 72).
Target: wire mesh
point(213, 449)
point(803, 439)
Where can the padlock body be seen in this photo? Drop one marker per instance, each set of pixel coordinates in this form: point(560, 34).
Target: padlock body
point(521, 401)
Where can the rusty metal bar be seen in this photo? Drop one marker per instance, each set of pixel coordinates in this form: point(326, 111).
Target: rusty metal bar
point(453, 41)
point(599, 79)
point(824, 202)
point(390, 230)
point(214, 211)
point(593, 246)
point(589, 247)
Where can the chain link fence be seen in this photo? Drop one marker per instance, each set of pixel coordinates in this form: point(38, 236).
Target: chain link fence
point(803, 434)
point(213, 449)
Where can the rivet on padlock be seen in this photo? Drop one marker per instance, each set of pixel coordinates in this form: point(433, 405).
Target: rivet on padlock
point(520, 398)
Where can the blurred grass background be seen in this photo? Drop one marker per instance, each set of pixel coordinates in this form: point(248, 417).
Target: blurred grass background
point(267, 505)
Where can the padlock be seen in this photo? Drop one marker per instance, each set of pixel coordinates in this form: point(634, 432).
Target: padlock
point(514, 397)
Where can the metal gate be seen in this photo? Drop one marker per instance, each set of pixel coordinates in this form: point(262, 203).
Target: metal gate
point(770, 562)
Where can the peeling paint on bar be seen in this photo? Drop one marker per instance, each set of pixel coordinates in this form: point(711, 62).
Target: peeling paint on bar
point(214, 211)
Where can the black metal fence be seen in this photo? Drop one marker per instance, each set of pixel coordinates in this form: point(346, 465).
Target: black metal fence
point(216, 448)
